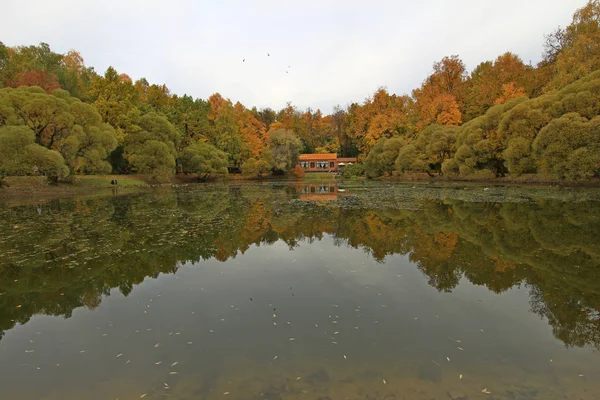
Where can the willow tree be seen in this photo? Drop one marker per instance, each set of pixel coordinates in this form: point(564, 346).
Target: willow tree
point(62, 123)
point(151, 147)
point(203, 159)
point(20, 155)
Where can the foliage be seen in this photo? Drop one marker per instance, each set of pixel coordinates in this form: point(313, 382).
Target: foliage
point(62, 123)
point(298, 171)
point(151, 147)
point(382, 157)
point(428, 151)
point(204, 159)
point(353, 171)
point(20, 155)
point(255, 168)
point(285, 149)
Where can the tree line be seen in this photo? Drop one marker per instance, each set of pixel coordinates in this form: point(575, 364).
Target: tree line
point(59, 117)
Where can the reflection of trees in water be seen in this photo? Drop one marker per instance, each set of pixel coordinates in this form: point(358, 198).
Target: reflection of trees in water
point(76, 251)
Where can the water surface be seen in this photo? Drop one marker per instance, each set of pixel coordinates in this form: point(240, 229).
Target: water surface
point(303, 291)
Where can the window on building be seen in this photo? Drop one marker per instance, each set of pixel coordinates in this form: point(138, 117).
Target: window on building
point(331, 164)
point(303, 164)
point(322, 164)
point(312, 164)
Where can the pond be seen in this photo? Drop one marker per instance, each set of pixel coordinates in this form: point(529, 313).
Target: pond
point(303, 291)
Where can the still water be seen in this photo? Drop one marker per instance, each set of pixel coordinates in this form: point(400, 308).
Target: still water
point(302, 291)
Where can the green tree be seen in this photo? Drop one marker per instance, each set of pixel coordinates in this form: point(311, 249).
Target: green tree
point(284, 148)
point(151, 148)
point(204, 159)
point(20, 155)
point(382, 157)
point(428, 151)
point(115, 98)
point(255, 168)
point(63, 123)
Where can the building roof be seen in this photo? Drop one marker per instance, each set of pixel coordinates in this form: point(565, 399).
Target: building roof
point(318, 156)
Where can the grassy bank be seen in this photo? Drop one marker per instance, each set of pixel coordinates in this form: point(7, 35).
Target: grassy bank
point(37, 187)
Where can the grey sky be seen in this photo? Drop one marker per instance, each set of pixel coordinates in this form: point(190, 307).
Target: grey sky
point(338, 51)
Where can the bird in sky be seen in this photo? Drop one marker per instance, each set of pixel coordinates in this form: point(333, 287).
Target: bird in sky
point(244, 60)
point(268, 55)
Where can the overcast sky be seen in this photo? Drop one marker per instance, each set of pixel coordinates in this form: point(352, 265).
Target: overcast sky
point(337, 51)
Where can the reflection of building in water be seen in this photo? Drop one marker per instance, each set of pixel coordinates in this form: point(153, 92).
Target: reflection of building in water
point(318, 191)
point(323, 162)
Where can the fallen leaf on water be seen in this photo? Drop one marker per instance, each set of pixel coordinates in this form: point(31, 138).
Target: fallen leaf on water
point(292, 339)
point(119, 355)
point(29, 351)
point(298, 378)
point(486, 391)
point(460, 376)
point(144, 395)
point(460, 348)
point(275, 358)
point(175, 363)
point(435, 362)
point(19, 306)
point(189, 343)
point(158, 362)
point(82, 351)
point(345, 358)
point(157, 345)
point(384, 382)
point(128, 361)
point(172, 373)
point(448, 358)
point(225, 394)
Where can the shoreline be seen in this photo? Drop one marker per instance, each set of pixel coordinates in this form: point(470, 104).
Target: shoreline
point(33, 188)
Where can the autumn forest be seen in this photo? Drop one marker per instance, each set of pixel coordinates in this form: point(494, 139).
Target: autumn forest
point(59, 118)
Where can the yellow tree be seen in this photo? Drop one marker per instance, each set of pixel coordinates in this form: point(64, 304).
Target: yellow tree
point(510, 91)
point(486, 82)
point(578, 51)
point(382, 115)
point(252, 131)
point(440, 92)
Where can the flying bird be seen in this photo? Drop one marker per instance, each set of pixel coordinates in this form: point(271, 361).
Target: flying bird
point(268, 55)
point(244, 60)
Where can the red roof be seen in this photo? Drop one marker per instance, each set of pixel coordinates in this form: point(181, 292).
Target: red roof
point(318, 156)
